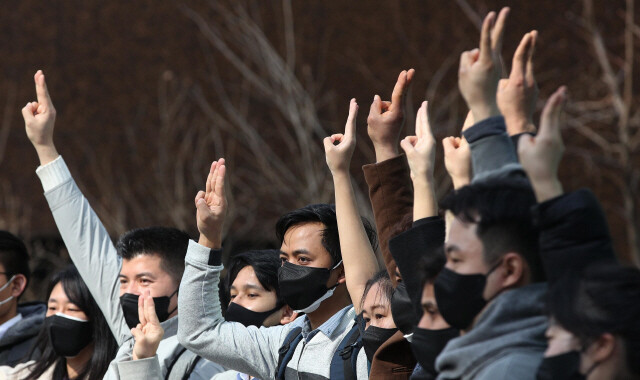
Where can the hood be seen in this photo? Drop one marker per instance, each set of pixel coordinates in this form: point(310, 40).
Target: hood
point(29, 326)
point(514, 321)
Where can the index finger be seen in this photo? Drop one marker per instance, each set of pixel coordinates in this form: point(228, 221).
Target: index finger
point(350, 126)
point(549, 120)
point(399, 89)
point(518, 65)
point(41, 89)
point(219, 187)
point(141, 317)
point(485, 38)
point(498, 30)
point(532, 48)
point(150, 309)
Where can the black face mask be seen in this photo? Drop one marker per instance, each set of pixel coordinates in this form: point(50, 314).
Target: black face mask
point(373, 338)
point(238, 313)
point(565, 366)
point(68, 335)
point(302, 286)
point(459, 296)
point(129, 304)
point(402, 310)
point(427, 344)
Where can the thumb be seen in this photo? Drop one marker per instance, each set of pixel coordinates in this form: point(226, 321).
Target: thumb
point(502, 83)
point(202, 207)
point(448, 145)
point(406, 145)
point(376, 106)
point(525, 143)
point(27, 113)
point(328, 143)
point(137, 333)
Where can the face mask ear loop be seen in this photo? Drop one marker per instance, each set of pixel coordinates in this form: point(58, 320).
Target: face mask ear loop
point(334, 267)
point(175, 308)
point(583, 350)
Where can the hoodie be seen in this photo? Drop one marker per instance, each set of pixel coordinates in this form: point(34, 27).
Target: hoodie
point(18, 340)
point(507, 341)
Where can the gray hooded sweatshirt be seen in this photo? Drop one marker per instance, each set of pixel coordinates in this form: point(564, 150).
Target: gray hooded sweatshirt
point(18, 340)
point(507, 341)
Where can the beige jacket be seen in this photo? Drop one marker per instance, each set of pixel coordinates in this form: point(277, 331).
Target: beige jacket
point(21, 371)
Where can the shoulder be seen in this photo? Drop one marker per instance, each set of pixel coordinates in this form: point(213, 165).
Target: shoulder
point(514, 365)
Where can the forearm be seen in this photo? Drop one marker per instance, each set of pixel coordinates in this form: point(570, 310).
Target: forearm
point(203, 330)
point(357, 254)
point(391, 196)
point(424, 198)
point(46, 152)
point(87, 241)
point(546, 188)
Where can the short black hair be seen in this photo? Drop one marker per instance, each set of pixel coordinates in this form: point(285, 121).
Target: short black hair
point(265, 264)
point(501, 208)
point(14, 255)
point(431, 264)
point(170, 244)
point(325, 214)
point(604, 298)
point(385, 286)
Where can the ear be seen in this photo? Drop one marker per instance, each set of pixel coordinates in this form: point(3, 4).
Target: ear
point(288, 315)
point(341, 277)
point(602, 348)
point(18, 285)
point(512, 271)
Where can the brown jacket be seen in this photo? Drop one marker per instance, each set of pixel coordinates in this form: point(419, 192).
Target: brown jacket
point(391, 195)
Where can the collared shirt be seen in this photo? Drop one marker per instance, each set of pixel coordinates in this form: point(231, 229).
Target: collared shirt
point(327, 328)
point(9, 324)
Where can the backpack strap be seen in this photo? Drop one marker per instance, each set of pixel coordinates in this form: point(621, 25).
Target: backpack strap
point(286, 351)
point(182, 365)
point(344, 361)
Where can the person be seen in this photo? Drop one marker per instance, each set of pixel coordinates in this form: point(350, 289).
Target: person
point(148, 258)
point(588, 336)
point(19, 323)
point(75, 341)
point(311, 279)
point(252, 286)
point(492, 286)
point(420, 244)
point(252, 283)
point(361, 265)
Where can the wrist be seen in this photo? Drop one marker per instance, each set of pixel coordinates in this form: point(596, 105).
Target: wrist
point(547, 188)
point(46, 153)
point(518, 124)
point(213, 243)
point(460, 181)
point(484, 111)
point(385, 151)
point(423, 180)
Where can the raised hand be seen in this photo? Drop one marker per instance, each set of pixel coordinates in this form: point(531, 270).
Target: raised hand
point(39, 119)
point(540, 156)
point(480, 69)
point(457, 160)
point(212, 206)
point(517, 95)
point(148, 333)
point(421, 152)
point(339, 156)
point(386, 118)
point(421, 148)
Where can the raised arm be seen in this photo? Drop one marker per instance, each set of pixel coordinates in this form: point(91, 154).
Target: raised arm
point(573, 228)
point(421, 154)
point(390, 189)
point(87, 240)
point(357, 254)
point(201, 327)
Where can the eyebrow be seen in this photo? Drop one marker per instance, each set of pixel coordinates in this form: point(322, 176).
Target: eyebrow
point(300, 251)
point(451, 247)
point(378, 307)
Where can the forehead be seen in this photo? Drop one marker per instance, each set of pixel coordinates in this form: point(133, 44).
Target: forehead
point(375, 297)
point(58, 293)
point(307, 236)
point(144, 263)
point(246, 276)
point(462, 236)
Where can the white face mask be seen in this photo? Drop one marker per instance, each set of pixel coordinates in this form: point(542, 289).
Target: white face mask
point(314, 306)
point(3, 288)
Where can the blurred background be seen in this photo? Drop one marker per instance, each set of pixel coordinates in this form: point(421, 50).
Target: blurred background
point(148, 93)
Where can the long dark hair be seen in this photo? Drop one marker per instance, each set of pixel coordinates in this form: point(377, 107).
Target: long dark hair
point(601, 299)
point(104, 344)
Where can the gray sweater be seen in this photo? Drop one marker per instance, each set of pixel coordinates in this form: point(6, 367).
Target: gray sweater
point(95, 256)
point(507, 341)
point(249, 350)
